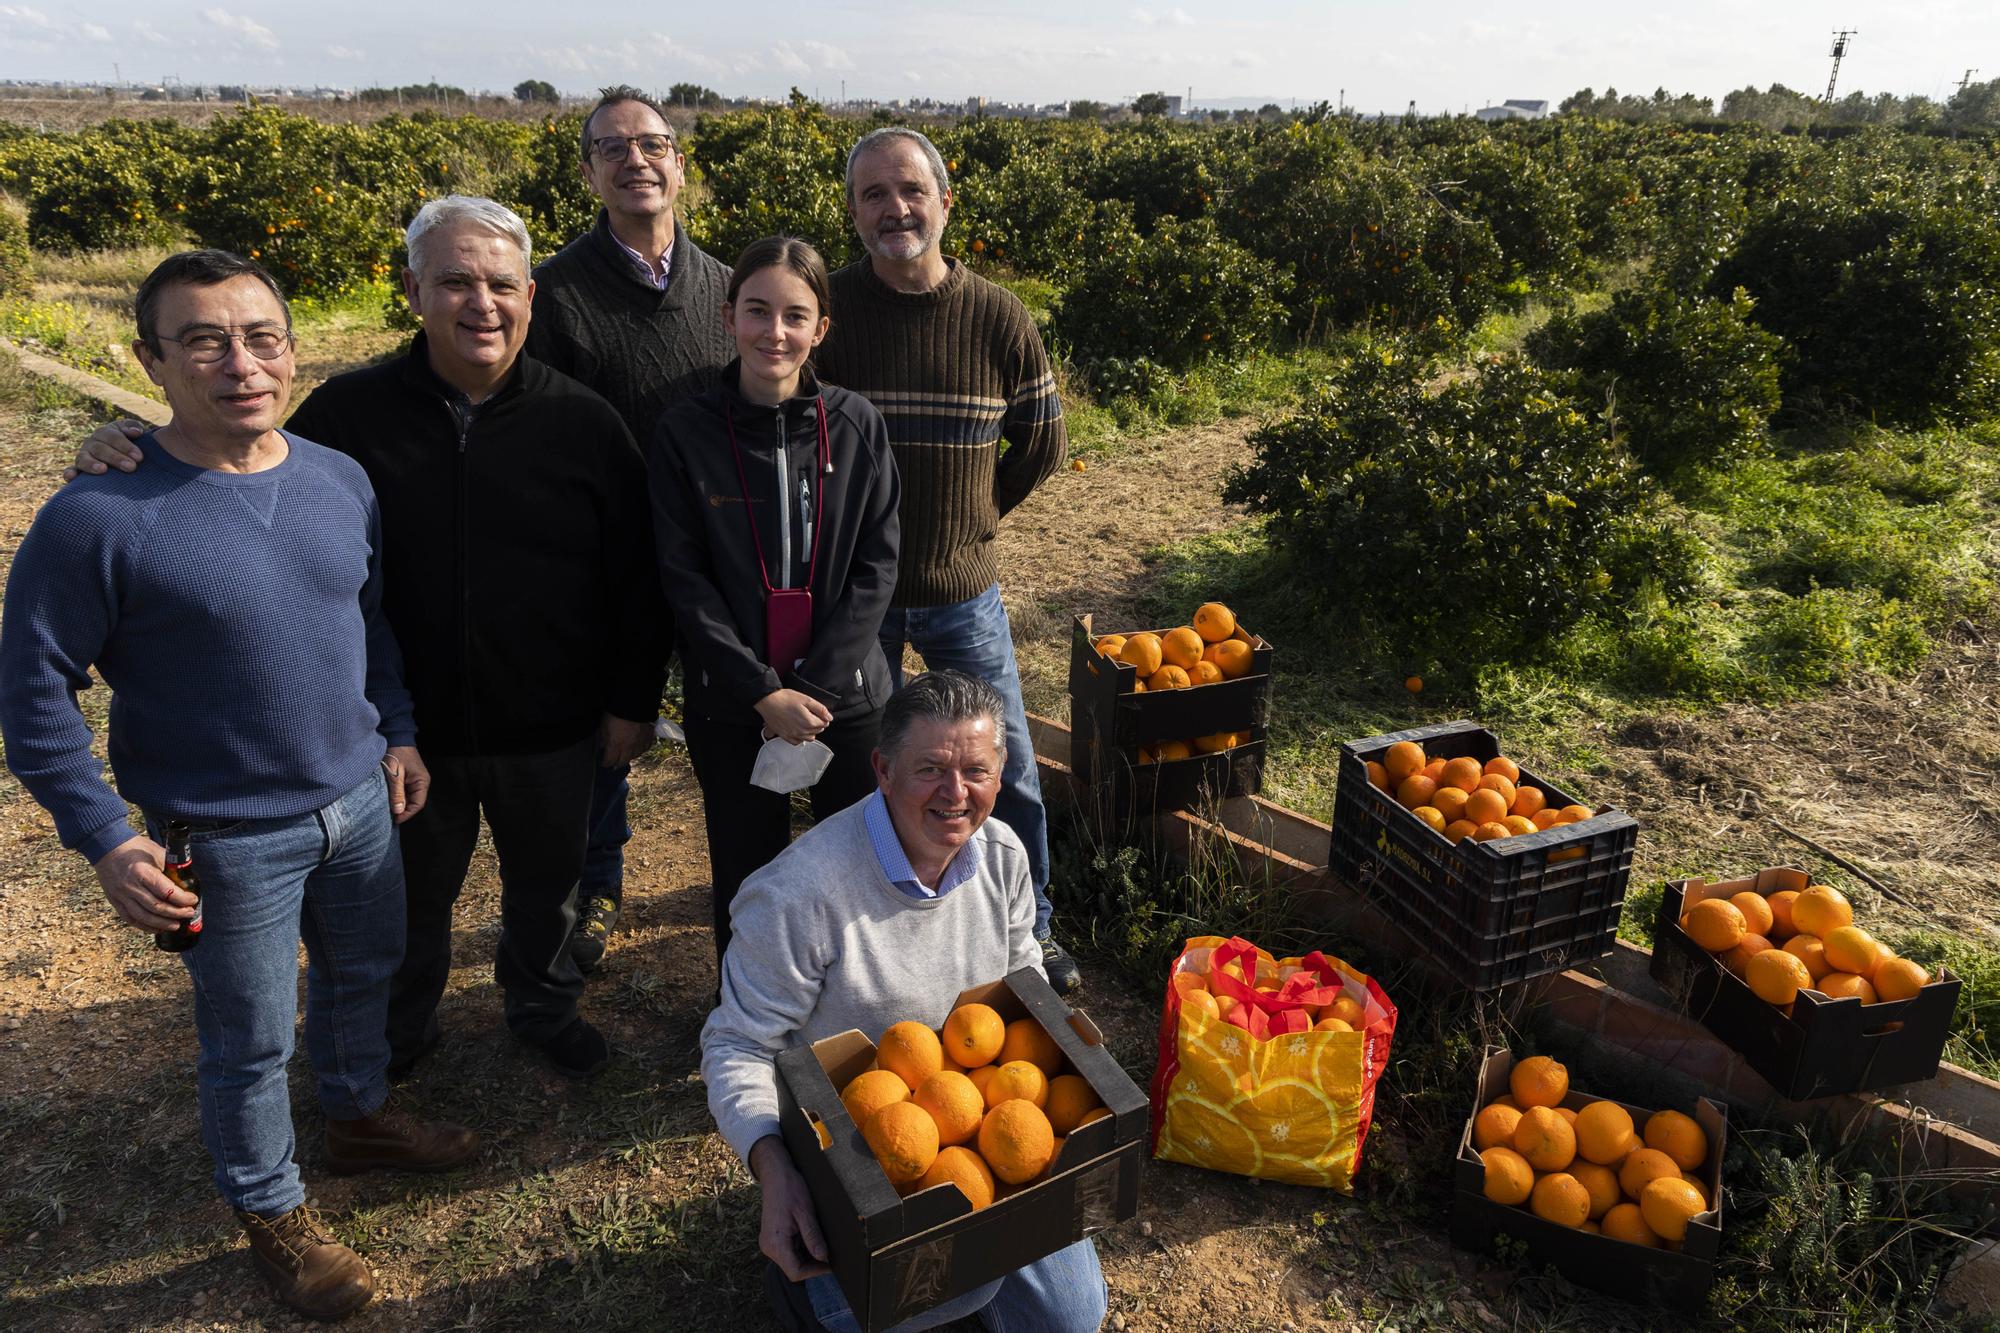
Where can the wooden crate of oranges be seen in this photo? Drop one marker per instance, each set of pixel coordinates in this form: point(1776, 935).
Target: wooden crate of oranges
point(942, 1158)
point(1163, 719)
point(1621, 1199)
point(1777, 967)
point(1496, 874)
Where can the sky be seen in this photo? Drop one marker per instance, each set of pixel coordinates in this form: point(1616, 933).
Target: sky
point(1446, 56)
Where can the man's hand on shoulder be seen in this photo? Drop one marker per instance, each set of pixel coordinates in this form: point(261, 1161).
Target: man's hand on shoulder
point(107, 447)
point(136, 886)
point(789, 1232)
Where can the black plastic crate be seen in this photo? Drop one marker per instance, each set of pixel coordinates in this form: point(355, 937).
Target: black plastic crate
point(1824, 1046)
point(1485, 914)
point(1110, 720)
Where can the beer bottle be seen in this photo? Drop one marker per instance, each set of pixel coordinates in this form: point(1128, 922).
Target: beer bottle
point(180, 869)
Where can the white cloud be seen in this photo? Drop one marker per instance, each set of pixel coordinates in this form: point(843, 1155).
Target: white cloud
point(1181, 18)
point(829, 57)
point(147, 33)
point(33, 18)
point(1245, 59)
point(788, 60)
point(93, 32)
point(346, 53)
point(1145, 16)
point(246, 28)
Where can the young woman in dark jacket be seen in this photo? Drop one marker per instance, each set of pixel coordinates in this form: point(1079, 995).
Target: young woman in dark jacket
point(774, 504)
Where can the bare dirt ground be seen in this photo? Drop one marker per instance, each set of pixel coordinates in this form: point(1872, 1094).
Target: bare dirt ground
point(615, 1205)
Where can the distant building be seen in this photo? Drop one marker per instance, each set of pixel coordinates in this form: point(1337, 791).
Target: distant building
point(1513, 108)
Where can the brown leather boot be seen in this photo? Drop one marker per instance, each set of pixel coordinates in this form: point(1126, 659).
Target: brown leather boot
point(394, 1138)
point(308, 1269)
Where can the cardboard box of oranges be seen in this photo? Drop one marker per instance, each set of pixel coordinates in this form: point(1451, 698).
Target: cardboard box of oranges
point(1484, 913)
point(898, 1254)
point(1598, 1223)
point(1806, 1021)
point(1150, 736)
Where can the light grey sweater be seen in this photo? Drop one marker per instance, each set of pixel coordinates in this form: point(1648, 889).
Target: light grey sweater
point(822, 942)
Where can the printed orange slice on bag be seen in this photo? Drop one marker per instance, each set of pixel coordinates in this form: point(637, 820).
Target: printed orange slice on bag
point(1289, 1112)
point(1208, 1135)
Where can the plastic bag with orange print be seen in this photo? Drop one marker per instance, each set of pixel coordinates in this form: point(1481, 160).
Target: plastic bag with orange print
point(1274, 1097)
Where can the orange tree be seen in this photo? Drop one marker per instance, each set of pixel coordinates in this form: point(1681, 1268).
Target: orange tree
point(772, 171)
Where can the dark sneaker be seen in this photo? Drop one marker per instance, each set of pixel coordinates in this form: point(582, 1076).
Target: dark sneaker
point(578, 1051)
point(1064, 976)
point(394, 1138)
point(308, 1269)
point(592, 933)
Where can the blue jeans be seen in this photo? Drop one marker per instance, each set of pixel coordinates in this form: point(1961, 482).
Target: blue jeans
point(604, 858)
point(973, 636)
point(1061, 1293)
point(334, 879)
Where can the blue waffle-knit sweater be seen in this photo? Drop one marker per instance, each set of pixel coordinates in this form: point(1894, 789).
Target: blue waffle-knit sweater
point(237, 619)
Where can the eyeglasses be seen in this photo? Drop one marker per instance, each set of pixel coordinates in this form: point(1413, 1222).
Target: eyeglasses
point(209, 345)
point(615, 147)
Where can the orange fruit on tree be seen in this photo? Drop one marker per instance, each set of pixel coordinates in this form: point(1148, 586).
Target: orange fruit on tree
point(1499, 782)
point(954, 1102)
point(1414, 684)
point(1017, 1141)
point(1821, 909)
point(1900, 978)
point(904, 1139)
point(1736, 959)
point(1205, 672)
point(1809, 950)
point(1669, 1205)
point(974, 1032)
point(1214, 622)
point(1679, 1136)
point(1182, 647)
point(1643, 1166)
point(1463, 773)
point(964, 1168)
point(1851, 949)
point(1604, 1133)
point(1518, 825)
point(1415, 790)
point(910, 1051)
point(1602, 1182)
point(1109, 645)
point(1780, 904)
point(1560, 1197)
point(1378, 777)
point(1431, 815)
point(1846, 985)
point(1143, 652)
point(1402, 759)
point(1485, 806)
point(1627, 1223)
point(1168, 750)
point(1509, 1178)
point(1545, 1139)
point(1016, 1080)
point(1449, 802)
point(1504, 766)
point(1538, 1081)
point(1070, 1098)
point(1715, 924)
point(1756, 909)
point(1232, 656)
point(1168, 677)
point(868, 1093)
point(1493, 1125)
point(1491, 833)
point(1528, 802)
point(1458, 830)
point(1777, 976)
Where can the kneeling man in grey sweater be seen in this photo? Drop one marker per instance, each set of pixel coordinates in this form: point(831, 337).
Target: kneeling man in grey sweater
point(882, 913)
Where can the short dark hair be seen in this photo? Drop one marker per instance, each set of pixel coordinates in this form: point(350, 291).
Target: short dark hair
point(195, 268)
point(787, 252)
point(612, 96)
point(941, 696)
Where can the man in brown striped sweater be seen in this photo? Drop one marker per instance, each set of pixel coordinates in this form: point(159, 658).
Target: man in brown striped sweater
point(956, 366)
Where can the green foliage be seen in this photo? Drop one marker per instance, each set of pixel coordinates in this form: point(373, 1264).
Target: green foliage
point(549, 192)
point(773, 171)
point(1178, 297)
point(1532, 211)
point(536, 90)
point(1975, 1027)
point(1478, 516)
point(17, 267)
point(1891, 305)
point(92, 193)
point(1694, 382)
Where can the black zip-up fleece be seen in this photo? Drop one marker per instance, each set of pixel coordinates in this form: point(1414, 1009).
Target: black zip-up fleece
point(518, 570)
point(708, 563)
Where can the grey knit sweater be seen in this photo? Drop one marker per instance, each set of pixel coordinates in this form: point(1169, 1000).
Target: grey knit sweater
point(597, 321)
point(821, 942)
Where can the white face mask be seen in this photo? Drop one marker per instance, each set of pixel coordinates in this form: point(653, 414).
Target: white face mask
point(784, 767)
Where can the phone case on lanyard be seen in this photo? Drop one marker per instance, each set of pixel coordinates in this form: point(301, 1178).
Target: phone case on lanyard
point(788, 625)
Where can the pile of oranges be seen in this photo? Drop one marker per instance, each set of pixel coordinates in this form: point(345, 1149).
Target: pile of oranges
point(1343, 1014)
point(1591, 1168)
point(1794, 940)
point(1463, 798)
point(1213, 648)
point(983, 1104)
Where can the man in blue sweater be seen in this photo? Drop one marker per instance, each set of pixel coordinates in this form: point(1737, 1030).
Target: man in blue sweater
point(230, 594)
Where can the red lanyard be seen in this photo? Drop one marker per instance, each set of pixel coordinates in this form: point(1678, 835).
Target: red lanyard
point(819, 495)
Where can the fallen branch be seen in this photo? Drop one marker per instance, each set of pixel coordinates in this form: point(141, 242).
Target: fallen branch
point(1848, 865)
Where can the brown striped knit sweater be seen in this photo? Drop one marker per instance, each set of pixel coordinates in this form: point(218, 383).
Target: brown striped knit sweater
point(953, 371)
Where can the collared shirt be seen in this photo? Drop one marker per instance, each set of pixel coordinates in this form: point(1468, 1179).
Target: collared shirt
point(645, 265)
point(895, 861)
